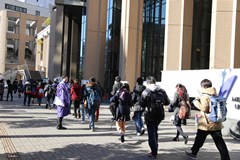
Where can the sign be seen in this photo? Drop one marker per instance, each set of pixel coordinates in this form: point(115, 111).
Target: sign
point(71, 2)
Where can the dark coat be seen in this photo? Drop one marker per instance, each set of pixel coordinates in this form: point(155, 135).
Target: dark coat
point(145, 98)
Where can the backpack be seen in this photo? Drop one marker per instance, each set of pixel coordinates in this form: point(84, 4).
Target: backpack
point(155, 105)
point(218, 109)
point(28, 89)
point(184, 110)
point(34, 91)
point(94, 97)
point(50, 90)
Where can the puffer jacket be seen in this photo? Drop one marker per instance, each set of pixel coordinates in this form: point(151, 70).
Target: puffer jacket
point(203, 104)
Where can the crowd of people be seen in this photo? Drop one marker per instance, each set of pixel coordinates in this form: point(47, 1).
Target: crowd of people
point(144, 100)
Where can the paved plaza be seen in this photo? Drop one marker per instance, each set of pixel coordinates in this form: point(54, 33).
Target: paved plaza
point(29, 133)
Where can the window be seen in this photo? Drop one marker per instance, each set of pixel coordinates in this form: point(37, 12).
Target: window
point(153, 38)
point(112, 42)
point(31, 28)
point(13, 25)
point(12, 51)
point(15, 8)
point(201, 34)
point(37, 13)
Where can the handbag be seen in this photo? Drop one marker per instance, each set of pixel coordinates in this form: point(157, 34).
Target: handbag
point(137, 108)
point(57, 101)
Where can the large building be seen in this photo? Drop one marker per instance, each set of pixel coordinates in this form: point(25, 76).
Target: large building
point(132, 38)
point(19, 24)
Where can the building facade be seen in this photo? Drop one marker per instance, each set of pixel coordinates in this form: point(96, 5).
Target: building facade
point(141, 38)
point(19, 25)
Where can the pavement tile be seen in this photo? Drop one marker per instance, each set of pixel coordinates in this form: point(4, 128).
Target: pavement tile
point(32, 131)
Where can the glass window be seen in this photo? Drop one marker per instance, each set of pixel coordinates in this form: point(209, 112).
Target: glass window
point(153, 38)
point(31, 27)
point(13, 25)
point(29, 52)
point(201, 34)
point(112, 42)
point(12, 51)
point(37, 13)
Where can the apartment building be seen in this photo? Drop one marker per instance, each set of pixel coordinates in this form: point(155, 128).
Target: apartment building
point(19, 24)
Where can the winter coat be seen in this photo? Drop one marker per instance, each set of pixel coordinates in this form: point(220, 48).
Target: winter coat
point(203, 105)
point(137, 92)
point(122, 107)
point(76, 92)
point(144, 101)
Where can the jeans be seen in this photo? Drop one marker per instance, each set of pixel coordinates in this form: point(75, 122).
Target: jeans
point(217, 138)
point(152, 128)
point(91, 113)
point(138, 121)
point(83, 112)
point(27, 96)
point(11, 95)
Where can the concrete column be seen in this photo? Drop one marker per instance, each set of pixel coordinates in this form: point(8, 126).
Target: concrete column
point(22, 40)
point(131, 41)
point(75, 50)
point(221, 46)
point(56, 47)
point(3, 41)
point(235, 55)
point(178, 35)
point(95, 40)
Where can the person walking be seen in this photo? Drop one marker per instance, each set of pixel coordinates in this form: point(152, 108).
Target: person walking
point(62, 101)
point(48, 92)
point(1, 89)
point(27, 91)
point(152, 99)
point(40, 93)
point(117, 85)
point(205, 125)
point(83, 110)
point(9, 89)
point(123, 101)
point(138, 111)
point(179, 96)
point(20, 88)
point(97, 112)
point(92, 95)
point(75, 96)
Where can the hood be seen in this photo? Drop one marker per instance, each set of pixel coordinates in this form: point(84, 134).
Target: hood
point(153, 87)
point(210, 91)
point(91, 84)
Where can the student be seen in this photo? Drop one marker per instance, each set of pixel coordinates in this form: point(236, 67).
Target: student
point(137, 115)
point(179, 95)
point(123, 100)
point(152, 99)
point(205, 126)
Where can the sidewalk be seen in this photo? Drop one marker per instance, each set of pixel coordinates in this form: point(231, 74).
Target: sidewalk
point(29, 133)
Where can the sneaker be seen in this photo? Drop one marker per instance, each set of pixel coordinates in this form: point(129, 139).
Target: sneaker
point(150, 155)
point(122, 138)
point(190, 155)
point(61, 127)
point(175, 139)
point(185, 140)
point(139, 134)
point(142, 131)
point(83, 122)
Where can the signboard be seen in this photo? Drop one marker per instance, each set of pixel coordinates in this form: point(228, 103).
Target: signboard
point(71, 2)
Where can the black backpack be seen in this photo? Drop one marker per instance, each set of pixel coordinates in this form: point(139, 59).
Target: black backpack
point(155, 105)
